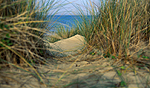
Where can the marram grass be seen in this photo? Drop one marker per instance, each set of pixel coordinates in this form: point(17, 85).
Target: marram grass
point(22, 28)
point(114, 25)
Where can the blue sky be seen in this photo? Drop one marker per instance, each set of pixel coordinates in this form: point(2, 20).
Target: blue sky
point(70, 9)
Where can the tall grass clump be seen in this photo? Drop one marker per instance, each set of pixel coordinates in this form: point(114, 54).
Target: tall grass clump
point(23, 24)
point(116, 26)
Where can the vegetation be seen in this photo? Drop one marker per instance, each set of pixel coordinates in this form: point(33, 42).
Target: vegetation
point(115, 27)
point(23, 24)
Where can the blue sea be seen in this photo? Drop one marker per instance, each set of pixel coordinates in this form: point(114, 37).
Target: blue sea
point(67, 21)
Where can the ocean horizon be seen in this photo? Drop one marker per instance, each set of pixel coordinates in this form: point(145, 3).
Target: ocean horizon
point(67, 21)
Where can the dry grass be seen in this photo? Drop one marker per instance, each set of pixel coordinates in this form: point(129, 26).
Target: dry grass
point(120, 30)
point(115, 27)
point(22, 28)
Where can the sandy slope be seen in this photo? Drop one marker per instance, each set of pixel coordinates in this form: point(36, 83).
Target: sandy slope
point(77, 71)
point(83, 74)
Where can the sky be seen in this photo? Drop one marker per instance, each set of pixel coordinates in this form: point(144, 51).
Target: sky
point(72, 6)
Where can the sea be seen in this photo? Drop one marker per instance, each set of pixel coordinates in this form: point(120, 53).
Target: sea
point(67, 21)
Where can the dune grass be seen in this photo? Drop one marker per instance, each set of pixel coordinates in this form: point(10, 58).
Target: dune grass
point(114, 26)
point(120, 29)
point(23, 24)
